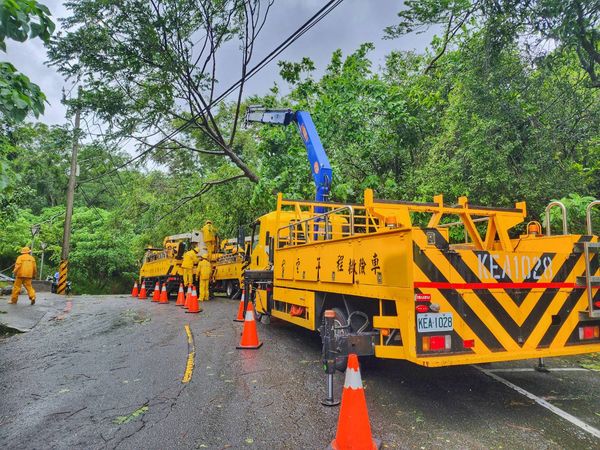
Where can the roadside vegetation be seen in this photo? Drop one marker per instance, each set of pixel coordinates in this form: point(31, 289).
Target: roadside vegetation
point(500, 108)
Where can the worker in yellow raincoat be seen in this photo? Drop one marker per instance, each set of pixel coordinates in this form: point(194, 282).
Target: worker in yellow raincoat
point(209, 237)
point(190, 258)
point(25, 270)
point(205, 272)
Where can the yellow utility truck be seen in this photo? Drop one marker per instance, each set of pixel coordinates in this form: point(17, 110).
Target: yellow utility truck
point(163, 265)
point(397, 286)
point(228, 268)
point(403, 289)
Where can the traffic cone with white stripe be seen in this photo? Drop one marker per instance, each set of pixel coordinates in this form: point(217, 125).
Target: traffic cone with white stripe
point(240, 314)
point(193, 305)
point(354, 429)
point(134, 292)
point(156, 292)
point(249, 335)
point(188, 297)
point(180, 296)
point(164, 295)
point(143, 295)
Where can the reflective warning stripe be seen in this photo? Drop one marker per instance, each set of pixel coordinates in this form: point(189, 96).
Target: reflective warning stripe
point(353, 380)
point(438, 285)
point(249, 316)
point(507, 313)
point(62, 276)
point(472, 320)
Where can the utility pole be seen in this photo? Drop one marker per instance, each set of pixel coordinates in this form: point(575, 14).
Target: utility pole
point(64, 256)
point(43, 246)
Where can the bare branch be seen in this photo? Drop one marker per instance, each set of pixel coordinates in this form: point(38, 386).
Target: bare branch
point(206, 186)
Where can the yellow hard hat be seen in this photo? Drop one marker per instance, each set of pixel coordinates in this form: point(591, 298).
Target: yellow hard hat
point(25, 250)
point(209, 221)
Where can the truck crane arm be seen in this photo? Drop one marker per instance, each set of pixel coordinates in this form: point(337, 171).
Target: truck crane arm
point(319, 163)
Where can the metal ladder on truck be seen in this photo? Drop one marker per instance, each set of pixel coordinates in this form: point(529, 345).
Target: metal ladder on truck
point(590, 281)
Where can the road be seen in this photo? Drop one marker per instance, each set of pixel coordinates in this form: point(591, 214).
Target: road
point(106, 372)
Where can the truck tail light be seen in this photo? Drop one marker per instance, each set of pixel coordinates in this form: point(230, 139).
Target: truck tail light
point(597, 304)
point(589, 332)
point(436, 343)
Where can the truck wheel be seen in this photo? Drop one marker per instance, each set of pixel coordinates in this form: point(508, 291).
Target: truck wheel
point(229, 289)
point(341, 320)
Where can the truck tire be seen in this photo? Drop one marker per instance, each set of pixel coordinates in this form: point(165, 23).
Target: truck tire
point(229, 289)
point(341, 320)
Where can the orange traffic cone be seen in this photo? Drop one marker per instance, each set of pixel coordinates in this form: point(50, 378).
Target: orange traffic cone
point(134, 292)
point(249, 335)
point(164, 296)
point(193, 305)
point(143, 295)
point(240, 314)
point(156, 292)
point(354, 429)
point(180, 296)
point(188, 297)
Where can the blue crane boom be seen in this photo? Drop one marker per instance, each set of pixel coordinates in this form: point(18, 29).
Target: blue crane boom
point(319, 163)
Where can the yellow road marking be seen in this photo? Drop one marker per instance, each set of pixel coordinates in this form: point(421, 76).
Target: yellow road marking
point(188, 331)
point(189, 367)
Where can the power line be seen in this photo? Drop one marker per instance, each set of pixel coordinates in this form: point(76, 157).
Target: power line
point(89, 203)
point(310, 23)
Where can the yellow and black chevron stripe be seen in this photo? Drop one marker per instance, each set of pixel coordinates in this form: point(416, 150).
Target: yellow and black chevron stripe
point(62, 276)
point(504, 315)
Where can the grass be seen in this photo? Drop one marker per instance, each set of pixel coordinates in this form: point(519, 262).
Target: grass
point(591, 361)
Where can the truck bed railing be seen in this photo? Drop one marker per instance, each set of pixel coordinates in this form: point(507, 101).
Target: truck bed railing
point(309, 225)
point(485, 227)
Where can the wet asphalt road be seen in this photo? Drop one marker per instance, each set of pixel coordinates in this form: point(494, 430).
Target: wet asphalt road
point(106, 372)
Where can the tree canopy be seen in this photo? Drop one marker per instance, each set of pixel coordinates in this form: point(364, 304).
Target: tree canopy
point(477, 114)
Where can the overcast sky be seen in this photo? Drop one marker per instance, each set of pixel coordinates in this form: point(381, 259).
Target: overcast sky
point(349, 25)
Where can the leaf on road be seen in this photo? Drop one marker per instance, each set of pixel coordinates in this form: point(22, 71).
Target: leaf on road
point(120, 420)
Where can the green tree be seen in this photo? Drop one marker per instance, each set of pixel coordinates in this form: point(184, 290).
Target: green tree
point(572, 24)
point(149, 67)
point(20, 20)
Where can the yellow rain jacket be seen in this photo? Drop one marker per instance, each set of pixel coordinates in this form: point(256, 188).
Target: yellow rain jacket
point(25, 267)
point(204, 269)
point(189, 259)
